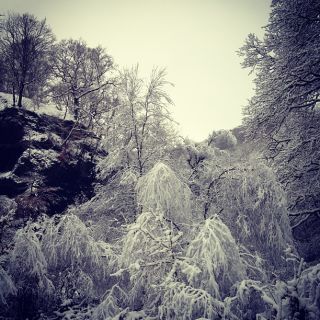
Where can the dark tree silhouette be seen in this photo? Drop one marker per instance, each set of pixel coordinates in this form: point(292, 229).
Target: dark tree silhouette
point(24, 45)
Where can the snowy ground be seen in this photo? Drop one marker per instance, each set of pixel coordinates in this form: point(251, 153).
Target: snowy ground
point(49, 109)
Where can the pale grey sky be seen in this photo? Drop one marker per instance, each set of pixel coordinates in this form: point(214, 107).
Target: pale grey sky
point(196, 40)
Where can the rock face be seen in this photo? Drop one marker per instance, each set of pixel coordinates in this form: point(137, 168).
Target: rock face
point(46, 163)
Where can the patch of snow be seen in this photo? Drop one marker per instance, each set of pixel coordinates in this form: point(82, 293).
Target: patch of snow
point(66, 302)
point(55, 139)
point(42, 159)
point(49, 109)
point(135, 315)
point(33, 135)
point(5, 174)
point(36, 136)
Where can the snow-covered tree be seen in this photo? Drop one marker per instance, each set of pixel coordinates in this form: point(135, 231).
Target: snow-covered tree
point(153, 242)
point(222, 139)
point(141, 132)
point(170, 266)
point(283, 115)
point(215, 253)
point(160, 190)
point(72, 252)
point(28, 265)
point(253, 205)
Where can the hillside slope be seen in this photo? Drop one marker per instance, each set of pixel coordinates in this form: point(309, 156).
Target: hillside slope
point(46, 163)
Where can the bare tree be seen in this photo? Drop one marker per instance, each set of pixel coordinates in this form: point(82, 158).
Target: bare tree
point(80, 78)
point(149, 120)
point(24, 44)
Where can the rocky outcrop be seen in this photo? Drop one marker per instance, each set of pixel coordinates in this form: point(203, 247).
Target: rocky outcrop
point(46, 163)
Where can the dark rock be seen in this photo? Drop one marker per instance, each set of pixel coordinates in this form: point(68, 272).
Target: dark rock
point(11, 186)
point(43, 171)
point(11, 134)
point(10, 155)
point(71, 180)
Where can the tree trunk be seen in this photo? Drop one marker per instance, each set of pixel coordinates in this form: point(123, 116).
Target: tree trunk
point(65, 113)
point(20, 95)
point(13, 95)
point(76, 103)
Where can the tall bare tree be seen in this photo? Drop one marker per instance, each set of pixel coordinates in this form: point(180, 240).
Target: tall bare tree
point(80, 78)
point(148, 123)
point(25, 43)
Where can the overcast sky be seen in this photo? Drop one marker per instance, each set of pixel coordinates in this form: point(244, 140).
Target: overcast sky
point(196, 40)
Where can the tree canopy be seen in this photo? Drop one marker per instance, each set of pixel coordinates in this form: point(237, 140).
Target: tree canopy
point(284, 112)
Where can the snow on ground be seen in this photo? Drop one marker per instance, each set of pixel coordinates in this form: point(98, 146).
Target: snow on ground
point(48, 109)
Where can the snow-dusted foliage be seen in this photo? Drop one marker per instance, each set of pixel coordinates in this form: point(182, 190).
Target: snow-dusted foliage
point(253, 205)
point(181, 281)
point(181, 301)
point(216, 254)
point(28, 265)
point(68, 243)
point(7, 286)
point(298, 298)
point(160, 190)
point(112, 305)
point(148, 254)
point(308, 289)
point(153, 242)
point(253, 263)
point(58, 259)
point(222, 139)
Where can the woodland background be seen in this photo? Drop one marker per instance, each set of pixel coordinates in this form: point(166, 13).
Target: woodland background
point(107, 213)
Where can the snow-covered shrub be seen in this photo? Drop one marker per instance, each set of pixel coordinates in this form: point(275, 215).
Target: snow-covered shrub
point(28, 265)
point(29, 270)
point(181, 301)
point(114, 307)
point(7, 286)
point(72, 252)
point(160, 190)
point(297, 298)
point(148, 254)
point(308, 289)
point(253, 205)
point(55, 261)
point(69, 243)
point(216, 254)
point(113, 303)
